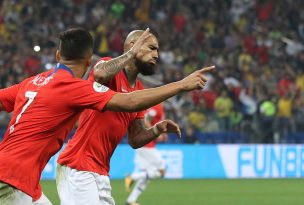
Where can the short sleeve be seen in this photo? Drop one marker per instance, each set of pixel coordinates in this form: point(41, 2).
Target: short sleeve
point(91, 77)
point(8, 97)
point(89, 95)
point(141, 114)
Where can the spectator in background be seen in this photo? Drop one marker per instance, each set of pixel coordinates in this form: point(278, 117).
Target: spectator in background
point(267, 111)
point(117, 41)
point(179, 20)
point(235, 119)
point(223, 108)
point(32, 65)
point(251, 41)
point(300, 81)
point(299, 113)
point(196, 119)
point(284, 115)
point(117, 9)
point(143, 11)
point(190, 136)
point(101, 41)
point(293, 47)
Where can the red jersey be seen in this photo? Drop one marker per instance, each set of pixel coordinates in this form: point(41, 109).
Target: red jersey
point(46, 108)
point(8, 96)
point(98, 134)
point(156, 114)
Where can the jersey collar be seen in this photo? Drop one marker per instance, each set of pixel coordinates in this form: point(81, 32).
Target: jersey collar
point(62, 67)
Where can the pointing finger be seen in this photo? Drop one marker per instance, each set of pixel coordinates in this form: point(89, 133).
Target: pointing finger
point(207, 69)
point(146, 32)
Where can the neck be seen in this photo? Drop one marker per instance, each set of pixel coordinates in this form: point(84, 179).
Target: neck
point(132, 73)
point(76, 67)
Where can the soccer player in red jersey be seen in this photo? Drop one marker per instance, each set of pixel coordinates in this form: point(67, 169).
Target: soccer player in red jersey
point(148, 161)
point(82, 173)
point(47, 106)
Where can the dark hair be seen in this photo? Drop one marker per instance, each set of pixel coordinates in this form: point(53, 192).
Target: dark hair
point(75, 43)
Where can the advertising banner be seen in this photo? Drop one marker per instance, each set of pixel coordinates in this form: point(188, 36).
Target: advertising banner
point(212, 161)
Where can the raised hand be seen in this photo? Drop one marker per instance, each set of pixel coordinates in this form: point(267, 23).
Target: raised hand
point(105, 70)
point(167, 126)
point(196, 80)
point(140, 41)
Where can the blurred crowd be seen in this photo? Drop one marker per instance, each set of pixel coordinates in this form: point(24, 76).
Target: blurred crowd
point(256, 91)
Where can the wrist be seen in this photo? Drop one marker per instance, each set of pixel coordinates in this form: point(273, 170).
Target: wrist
point(155, 130)
point(180, 86)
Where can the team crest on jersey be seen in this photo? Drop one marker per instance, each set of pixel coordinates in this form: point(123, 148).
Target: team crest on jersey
point(100, 88)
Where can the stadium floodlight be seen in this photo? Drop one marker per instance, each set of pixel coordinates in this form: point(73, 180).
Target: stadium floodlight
point(36, 48)
point(48, 66)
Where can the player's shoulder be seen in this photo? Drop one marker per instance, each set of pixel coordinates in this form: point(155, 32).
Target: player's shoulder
point(39, 75)
point(103, 59)
point(78, 85)
point(107, 58)
point(76, 81)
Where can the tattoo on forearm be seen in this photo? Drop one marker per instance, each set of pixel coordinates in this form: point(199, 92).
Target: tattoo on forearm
point(139, 134)
point(112, 67)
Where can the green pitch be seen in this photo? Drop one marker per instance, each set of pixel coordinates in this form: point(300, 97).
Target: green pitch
point(208, 192)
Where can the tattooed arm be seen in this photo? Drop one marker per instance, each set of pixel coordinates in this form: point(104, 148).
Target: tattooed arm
point(139, 136)
point(105, 70)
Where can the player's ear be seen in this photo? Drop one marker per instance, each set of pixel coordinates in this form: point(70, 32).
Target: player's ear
point(130, 45)
point(58, 56)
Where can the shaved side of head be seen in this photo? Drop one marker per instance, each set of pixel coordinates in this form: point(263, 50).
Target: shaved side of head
point(132, 37)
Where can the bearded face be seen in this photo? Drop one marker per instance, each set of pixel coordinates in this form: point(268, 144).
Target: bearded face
point(145, 68)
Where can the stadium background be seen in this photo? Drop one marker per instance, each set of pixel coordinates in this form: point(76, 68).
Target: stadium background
point(255, 96)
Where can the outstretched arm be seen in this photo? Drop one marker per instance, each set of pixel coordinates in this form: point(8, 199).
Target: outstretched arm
point(106, 70)
point(143, 99)
point(139, 136)
point(8, 98)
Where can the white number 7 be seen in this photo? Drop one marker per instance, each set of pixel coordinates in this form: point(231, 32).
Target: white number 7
point(30, 95)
